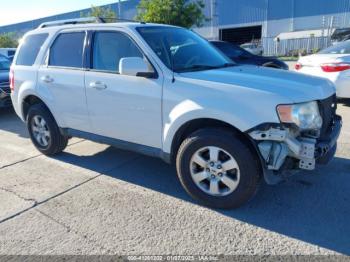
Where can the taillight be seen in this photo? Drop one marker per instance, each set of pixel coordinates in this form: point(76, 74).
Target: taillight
point(335, 67)
point(298, 66)
point(12, 80)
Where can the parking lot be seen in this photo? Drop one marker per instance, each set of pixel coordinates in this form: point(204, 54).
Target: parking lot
point(94, 199)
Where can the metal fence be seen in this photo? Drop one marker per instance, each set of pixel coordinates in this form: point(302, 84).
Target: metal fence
point(291, 47)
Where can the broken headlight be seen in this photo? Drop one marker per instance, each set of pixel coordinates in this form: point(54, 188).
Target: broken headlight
point(305, 115)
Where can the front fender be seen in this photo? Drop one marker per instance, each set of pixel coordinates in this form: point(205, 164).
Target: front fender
point(188, 111)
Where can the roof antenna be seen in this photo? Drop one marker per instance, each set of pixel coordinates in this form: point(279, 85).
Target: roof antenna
point(171, 60)
point(172, 66)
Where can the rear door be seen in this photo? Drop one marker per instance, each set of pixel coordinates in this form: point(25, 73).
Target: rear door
point(63, 79)
point(25, 66)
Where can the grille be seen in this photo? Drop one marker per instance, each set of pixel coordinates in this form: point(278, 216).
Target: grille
point(328, 108)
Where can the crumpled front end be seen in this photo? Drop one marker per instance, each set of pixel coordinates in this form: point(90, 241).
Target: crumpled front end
point(285, 149)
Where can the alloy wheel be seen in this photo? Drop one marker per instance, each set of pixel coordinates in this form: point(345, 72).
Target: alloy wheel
point(215, 171)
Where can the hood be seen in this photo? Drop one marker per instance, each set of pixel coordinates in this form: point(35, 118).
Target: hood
point(293, 86)
point(4, 76)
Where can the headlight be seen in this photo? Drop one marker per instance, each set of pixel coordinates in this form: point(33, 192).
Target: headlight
point(305, 115)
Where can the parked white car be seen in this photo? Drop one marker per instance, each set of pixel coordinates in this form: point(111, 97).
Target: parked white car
point(332, 63)
point(253, 48)
point(166, 92)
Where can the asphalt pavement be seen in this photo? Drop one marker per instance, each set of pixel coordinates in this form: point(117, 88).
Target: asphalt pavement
point(95, 199)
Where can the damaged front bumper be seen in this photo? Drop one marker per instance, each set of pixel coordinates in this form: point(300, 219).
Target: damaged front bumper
point(284, 151)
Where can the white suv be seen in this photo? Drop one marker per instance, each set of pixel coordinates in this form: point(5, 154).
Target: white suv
point(166, 92)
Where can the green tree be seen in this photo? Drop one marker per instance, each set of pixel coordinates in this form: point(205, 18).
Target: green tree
point(104, 12)
point(183, 13)
point(8, 41)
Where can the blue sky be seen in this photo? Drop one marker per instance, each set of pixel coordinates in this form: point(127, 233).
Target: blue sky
point(14, 11)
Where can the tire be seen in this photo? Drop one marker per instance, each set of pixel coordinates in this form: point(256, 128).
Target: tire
point(246, 176)
point(55, 141)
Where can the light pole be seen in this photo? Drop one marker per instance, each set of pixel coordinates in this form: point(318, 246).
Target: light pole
point(214, 22)
point(119, 9)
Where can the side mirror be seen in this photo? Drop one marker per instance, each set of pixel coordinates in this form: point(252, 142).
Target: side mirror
point(135, 66)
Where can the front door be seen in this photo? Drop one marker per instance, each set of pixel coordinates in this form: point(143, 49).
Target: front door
point(122, 107)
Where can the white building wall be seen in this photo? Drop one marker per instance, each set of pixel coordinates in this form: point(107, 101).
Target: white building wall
point(275, 16)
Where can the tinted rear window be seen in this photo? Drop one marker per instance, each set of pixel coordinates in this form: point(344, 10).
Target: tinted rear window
point(67, 50)
point(30, 48)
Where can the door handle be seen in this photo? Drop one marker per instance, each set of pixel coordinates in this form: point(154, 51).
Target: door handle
point(98, 85)
point(47, 79)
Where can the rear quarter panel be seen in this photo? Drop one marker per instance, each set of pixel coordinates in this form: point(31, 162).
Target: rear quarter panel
point(26, 79)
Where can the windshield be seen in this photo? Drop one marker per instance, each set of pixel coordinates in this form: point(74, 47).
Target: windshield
point(182, 50)
point(4, 63)
point(341, 48)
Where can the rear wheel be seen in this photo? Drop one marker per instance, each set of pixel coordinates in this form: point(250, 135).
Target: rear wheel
point(44, 131)
point(216, 168)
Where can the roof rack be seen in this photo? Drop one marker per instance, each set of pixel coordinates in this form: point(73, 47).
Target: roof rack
point(84, 20)
point(72, 22)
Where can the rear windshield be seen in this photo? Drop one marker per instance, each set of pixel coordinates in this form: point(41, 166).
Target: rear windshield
point(30, 48)
point(341, 48)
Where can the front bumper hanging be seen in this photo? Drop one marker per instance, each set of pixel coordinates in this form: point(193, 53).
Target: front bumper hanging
point(275, 145)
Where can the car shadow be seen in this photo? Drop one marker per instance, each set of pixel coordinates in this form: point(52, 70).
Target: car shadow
point(10, 122)
point(312, 207)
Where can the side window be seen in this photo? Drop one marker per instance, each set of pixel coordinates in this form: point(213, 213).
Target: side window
point(30, 48)
point(67, 50)
point(109, 48)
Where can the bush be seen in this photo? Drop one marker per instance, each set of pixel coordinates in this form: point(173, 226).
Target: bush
point(316, 50)
point(302, 52)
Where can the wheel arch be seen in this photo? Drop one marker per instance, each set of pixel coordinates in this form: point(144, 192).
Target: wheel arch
point(194, 125)
point(30, 100)
point(27, 102)
point(271, 65)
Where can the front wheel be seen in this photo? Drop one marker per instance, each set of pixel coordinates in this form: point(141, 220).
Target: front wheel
point(216, 168)
point(44, 131)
